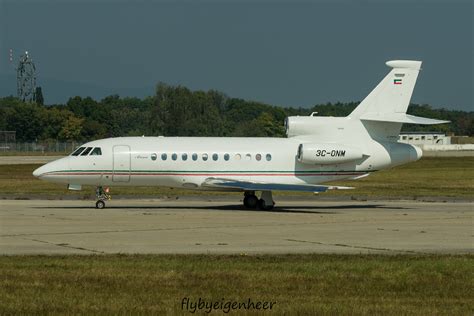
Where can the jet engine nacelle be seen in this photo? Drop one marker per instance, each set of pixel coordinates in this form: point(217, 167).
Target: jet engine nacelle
point(313, 125)
point(300, 125)
point(327, 153)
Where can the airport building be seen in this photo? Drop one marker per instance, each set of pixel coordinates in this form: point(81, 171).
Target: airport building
point(437, 144)
point(424, 138)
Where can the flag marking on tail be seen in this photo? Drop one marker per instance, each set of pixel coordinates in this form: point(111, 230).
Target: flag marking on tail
point(397, 81)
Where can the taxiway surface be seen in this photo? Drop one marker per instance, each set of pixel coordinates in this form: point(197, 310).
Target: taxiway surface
point(27, 160)
point(202, 226)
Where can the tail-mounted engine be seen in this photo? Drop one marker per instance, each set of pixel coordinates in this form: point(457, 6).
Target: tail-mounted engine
point(300, 125)
point(326, 153)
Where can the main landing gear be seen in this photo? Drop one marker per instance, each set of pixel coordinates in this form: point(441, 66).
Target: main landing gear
point(264, 203)
point(102, 196)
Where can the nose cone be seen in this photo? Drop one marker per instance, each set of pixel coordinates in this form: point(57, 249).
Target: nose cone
point(39, 171)
point(55, 171)
point(416, 154)
point(419, 152)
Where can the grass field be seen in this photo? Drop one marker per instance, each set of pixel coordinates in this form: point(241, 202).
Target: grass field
point(299, 284)
point(445, 177)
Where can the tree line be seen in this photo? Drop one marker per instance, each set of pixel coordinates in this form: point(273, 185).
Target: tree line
point(178, 111)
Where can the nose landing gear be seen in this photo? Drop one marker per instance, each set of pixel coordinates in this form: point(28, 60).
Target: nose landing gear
point(102, 196)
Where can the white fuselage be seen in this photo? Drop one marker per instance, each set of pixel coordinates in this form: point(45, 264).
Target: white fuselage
point(317, 150)
point(140, 161)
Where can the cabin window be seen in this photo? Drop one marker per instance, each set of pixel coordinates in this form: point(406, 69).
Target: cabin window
point(153, 157)
point(237, 157)
point(174, 156)
point(258, 157)
point(164, 156)
point(215, 157)
point(184, 157)
point(87, 151)
point(195, 156)
point(268, 157)
point(248, 157)
point(98, 152)
point(78, 151)
point(205, 156)
point(226, 157)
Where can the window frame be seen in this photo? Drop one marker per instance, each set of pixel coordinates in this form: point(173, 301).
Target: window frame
point(78, 151)
point(87, 151)
point(99, 152)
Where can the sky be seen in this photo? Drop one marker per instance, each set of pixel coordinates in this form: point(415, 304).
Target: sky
point(288, 53)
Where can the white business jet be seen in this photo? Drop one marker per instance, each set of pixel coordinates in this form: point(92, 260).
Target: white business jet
point(317, 150)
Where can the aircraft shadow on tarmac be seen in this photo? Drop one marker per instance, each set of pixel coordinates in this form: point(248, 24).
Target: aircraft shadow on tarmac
point(239, 208)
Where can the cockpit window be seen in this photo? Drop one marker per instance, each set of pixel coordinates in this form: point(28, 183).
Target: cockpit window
point(97, 152)
point(87, 151)
point(78, 151)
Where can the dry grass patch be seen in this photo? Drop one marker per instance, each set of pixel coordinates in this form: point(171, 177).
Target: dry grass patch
point(305, 284)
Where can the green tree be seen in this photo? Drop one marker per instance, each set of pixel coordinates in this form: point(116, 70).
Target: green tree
point(53, 121)
point(25, 119)
point(71, 130)
point(39, 96)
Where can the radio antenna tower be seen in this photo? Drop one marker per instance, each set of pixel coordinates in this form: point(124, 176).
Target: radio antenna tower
point(26, 78)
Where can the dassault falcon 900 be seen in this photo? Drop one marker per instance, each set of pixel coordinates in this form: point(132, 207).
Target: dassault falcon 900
point(317, 150)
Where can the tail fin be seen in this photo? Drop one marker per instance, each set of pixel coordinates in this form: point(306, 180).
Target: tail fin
point(392, 95)
point(389, 101)
point(383, 111)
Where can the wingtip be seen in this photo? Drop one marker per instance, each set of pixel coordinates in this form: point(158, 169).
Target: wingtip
point(340, 188)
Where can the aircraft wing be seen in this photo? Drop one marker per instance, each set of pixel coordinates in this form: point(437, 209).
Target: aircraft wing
point(220, 183)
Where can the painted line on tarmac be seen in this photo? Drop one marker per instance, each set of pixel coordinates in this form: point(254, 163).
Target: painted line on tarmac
point(357, 247)
point(64, 245)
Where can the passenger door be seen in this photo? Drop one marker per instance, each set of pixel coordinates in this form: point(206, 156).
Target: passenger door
point(121, 163)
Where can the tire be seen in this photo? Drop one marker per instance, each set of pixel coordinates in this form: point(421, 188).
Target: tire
point(250, 201)
point(100, 204)
point(263, 206)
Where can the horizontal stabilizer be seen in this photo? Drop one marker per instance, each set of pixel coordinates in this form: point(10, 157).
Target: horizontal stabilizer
point(259, 186)
point(400, 118)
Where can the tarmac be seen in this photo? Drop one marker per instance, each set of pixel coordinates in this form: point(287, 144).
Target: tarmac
point(26, 160)
point(199, 225)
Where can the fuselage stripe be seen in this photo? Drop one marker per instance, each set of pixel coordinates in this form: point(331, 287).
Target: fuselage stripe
point(185, 173)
